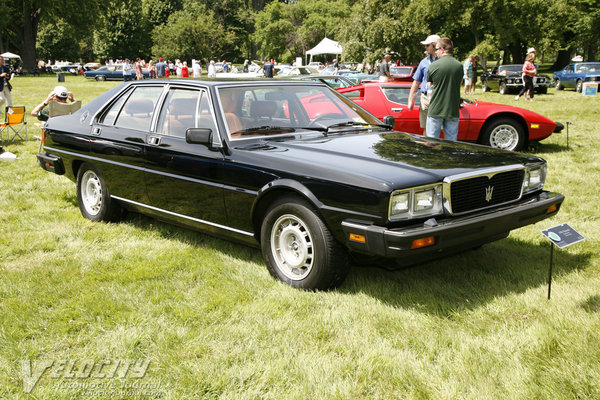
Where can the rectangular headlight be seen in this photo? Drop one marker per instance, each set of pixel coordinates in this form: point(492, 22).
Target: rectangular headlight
point(534, 178)
point(416, 202)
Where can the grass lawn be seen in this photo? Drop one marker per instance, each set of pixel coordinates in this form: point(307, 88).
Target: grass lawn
point(214, 325)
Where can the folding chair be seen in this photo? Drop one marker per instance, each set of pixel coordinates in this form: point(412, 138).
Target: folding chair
point(15, 115)
point(55, 108)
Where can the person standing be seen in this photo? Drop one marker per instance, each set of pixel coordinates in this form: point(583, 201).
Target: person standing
point(420, 80)
point(196, 69)
point(468, 74)
point(139, 75)
point(185, 73)
point(384, 69)
point(268, 68)
point(5, 88)
point(212, 69)
point(126, 70)
point(445, 76)
point(160, 68)
point(529, 70)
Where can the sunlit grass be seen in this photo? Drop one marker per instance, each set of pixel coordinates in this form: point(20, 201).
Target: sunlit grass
point(215, 325)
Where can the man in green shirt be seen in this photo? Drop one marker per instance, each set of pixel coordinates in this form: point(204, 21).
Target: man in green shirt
point(445, 76)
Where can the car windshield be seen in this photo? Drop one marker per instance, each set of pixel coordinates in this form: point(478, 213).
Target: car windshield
point(508, 69)
point(591, 67)
point(400, 70)
point(268, 110)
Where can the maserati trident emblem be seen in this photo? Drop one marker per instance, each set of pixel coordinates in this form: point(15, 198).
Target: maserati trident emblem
point(488, 193)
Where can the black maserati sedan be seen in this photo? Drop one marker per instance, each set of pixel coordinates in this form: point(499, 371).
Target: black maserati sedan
point(294, 168)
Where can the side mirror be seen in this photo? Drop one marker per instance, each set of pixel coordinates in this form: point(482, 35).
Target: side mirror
point(199, 136)
point(390, 121)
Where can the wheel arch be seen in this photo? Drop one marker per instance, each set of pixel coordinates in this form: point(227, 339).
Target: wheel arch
point(277, 189)
point(494, 117)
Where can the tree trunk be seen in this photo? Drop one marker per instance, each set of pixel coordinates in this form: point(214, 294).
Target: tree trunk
point(28, 35)
point(562, 59)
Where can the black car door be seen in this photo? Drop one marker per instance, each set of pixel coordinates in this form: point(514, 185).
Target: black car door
point(184, 180)
point(119, 140)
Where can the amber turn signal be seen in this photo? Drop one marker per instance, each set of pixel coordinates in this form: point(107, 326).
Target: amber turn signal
point(355, 237)
point(423, 242)
point(551, 209)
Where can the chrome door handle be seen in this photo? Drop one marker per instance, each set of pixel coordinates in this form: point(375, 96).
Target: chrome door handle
point(96, 131)
point(397, 109)
point(154, 140)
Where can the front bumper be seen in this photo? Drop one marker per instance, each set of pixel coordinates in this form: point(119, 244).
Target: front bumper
point(451, 235)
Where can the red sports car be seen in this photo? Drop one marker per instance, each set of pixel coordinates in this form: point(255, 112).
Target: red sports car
point(495, 125)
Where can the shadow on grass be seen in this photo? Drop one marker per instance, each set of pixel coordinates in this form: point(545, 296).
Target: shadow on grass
point(441, 287)
point(468, 280)
point(549, 148)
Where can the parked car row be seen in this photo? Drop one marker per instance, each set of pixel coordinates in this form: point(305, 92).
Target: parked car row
point(294, 168)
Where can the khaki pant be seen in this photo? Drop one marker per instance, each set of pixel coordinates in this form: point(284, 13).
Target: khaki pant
point(5, 97)
point(423, 110)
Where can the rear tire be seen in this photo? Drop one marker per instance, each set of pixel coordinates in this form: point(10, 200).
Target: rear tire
point(298, 247)
point(94, 200)
point(100, 78)
point(484, 86)
point(505, 134)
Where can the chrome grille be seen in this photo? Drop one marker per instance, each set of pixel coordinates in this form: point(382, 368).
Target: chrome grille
point(484, 191)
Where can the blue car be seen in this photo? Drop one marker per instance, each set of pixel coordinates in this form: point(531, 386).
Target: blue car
point(575, 75)
point(112, 73)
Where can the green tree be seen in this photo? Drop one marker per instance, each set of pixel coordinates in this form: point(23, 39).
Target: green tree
point(287, 30)
point(190, 33)
point(55, 41)
point(21, 20)
point(122, 31)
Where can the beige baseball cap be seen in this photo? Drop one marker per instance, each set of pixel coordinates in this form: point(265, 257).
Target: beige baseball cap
point(430, 39)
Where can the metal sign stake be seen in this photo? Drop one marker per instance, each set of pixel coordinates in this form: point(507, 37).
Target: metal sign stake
point(550, 269)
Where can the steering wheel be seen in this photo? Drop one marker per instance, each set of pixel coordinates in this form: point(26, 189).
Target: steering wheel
point(319, 118)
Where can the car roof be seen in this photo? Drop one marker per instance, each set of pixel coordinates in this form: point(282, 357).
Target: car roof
point(224, 82)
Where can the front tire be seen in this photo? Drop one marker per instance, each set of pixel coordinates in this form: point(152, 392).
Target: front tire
point(579, 86)
point(484, 86)
point(94, 200)
point(559, 85)
point(298, 247)
point(502, 88)
point(100, 78)
point(505, 134)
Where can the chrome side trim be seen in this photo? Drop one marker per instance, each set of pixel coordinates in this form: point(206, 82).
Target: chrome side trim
point(201, 221)
point(185, 178)
point(93, 158)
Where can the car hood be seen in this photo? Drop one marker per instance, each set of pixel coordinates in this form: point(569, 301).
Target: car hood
point(380, 161)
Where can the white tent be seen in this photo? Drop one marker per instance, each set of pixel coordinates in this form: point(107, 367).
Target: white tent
point(10, 55)
point(326, 46)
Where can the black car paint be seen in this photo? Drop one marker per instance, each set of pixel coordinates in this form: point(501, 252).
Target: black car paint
point(224, 188)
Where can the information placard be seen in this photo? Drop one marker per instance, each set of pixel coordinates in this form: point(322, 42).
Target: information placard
point(563, 235)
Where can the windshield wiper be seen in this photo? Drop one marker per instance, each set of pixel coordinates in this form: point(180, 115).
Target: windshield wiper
point(354, 123)
point(277, 129)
